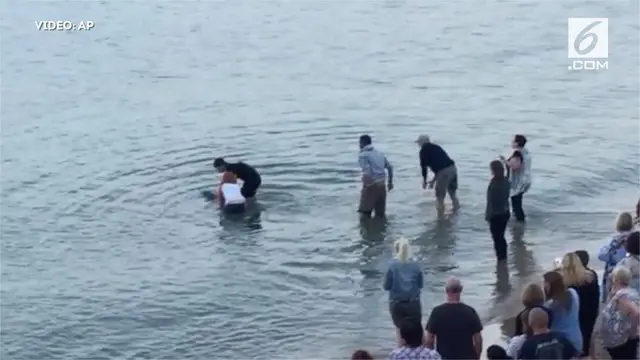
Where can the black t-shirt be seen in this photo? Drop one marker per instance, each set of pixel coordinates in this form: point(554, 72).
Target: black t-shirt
point(454, 326)
point(549, 346)
point(244, 172)
point(434, 157)
point(519, 330)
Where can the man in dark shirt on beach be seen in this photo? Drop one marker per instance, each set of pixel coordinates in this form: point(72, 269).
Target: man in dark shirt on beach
point(454, 328)
point(545, 344)
point(445, 177)
point(250, 177)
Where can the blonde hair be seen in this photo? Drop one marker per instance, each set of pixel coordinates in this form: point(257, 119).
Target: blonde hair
point(624, 222)
point(532, 295)
point(402, 249)
point(621, 276)
point(573, 272)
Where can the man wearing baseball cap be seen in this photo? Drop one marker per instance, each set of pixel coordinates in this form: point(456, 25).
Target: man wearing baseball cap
point(445, 177)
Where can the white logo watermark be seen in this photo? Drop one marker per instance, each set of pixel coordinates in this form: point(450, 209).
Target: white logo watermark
point(588, 43)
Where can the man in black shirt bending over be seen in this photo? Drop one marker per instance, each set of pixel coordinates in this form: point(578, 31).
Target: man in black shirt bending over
point(446, 175)
point(249, 176)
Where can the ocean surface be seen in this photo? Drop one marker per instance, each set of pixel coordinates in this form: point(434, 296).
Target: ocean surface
point(108, 250)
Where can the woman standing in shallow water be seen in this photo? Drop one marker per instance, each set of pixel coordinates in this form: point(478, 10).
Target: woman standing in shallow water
point(519, 164)
point(404, 282)
point(497, 211)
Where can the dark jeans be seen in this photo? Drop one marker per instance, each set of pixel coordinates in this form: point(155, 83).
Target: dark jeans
point(628, 350)
point(516, 206)
point(498, 225)
point(249, 189)
point(402, 310)
point(234, 208)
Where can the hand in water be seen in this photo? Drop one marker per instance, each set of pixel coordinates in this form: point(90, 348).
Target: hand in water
point(390, 186)
point(424, 184)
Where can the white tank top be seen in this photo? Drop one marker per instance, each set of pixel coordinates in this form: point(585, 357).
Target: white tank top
point(232, 194)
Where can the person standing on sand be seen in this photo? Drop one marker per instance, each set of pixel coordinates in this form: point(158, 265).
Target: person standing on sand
point(445, 179)
point(545, 344)
point(454, 328)
point(373, 163)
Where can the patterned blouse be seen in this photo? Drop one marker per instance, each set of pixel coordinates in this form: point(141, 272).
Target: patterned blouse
point(417, 353)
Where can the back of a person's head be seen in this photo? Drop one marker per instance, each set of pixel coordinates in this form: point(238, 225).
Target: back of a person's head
point(621, 276)
point(402, 248)
point(365, 140)
point(219, 162)
point(584, 257)
point(361, 355)
point(538, 319)
point(497, 169)
point(532, 295)
point(495, 352)
point(556, 288)
point(624, 222)
point(520, 140)
point(633, 243)
point(229, 178)
point(524, 320)
point(573, 272)
point(412, 333)
point(453, 286)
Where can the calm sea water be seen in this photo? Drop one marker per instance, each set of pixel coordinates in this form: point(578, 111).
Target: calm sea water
point(109, 252)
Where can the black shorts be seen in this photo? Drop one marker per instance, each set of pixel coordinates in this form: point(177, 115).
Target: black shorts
point(234, 209)
point(403, 310)
point(249, 189)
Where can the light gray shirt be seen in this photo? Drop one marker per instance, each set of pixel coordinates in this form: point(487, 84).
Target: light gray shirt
point(373, 163)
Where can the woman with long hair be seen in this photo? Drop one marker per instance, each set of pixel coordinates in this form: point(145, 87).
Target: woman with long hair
point(583, 281)
point(497, 210)
point(404, 282)
point(618, 325)
point(613, 251)
point(564, 304)
point(513, 348)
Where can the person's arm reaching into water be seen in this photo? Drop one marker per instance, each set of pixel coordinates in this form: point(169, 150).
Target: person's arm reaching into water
point(424, 167)
point(389, 168)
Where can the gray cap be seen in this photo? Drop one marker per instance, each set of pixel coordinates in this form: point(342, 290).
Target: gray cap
point(423, 139)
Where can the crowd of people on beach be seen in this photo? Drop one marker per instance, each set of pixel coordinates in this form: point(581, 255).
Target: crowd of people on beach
point(560, 314)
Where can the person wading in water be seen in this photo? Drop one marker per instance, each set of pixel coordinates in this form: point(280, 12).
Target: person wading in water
point(519, 164)
point(445, 179)
point(373, 163)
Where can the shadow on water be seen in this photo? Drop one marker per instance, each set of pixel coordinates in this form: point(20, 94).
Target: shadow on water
point(508, 285)
point(523, 259)
point(435, 247)
point(373, 232)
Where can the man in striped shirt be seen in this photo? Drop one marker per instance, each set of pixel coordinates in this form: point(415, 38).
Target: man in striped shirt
point(373, 163)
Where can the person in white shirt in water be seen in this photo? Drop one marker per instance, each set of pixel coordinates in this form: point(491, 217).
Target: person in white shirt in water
point(230, 194)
